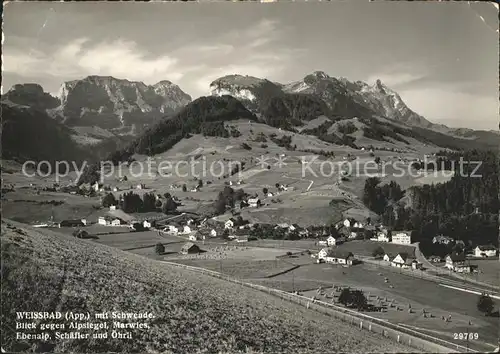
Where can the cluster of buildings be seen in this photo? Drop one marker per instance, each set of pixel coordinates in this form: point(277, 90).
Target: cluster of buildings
point(402, 260)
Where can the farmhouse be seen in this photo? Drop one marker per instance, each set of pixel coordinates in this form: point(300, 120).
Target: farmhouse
point(229, 224)
point(193, 238)
point(172, 229)
point(186, 230)
point(190, 248)
point(147, 224)
point(383, 237)
point(388, 257)
point(402, 237)
point(402, 260)
point(104, 220)
point(485, 251)
point(334, 241)
point(443, 240)
point(337, 256)
point(213, 233)
point(118, 222)
point(112, 207)
point(455, 261)
point(254, 202)
point(241, 238)
point(349, 222)
point(358, 225)
point(73, 223)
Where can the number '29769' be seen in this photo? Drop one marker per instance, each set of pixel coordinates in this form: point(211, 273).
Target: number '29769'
point(466, 336)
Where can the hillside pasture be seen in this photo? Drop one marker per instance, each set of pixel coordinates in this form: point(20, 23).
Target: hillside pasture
point(234, 318)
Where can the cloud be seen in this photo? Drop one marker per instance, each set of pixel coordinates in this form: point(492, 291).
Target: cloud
point(395, 79)
point(120, 58)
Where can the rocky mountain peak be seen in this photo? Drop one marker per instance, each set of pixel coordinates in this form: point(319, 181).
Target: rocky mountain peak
point(112, 103)
point(32, 95)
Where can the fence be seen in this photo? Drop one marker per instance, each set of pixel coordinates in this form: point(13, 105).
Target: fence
point(435, 278)
point(389, 330)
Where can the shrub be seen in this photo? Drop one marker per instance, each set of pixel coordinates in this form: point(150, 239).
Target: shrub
point(159, 248)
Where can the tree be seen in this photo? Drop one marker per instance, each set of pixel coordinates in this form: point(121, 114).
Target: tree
point(108, 200)
point(485, 304)
point(184, 188)
point(159, 248)
point(169, 206)
point(353, 298)
point(167, 195)
point(378, 252)
point(277, 185)
point(265, 190)
point(200, 183)
point(377, 160)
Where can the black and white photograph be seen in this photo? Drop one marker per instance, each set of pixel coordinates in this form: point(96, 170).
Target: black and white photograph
point(250, 177)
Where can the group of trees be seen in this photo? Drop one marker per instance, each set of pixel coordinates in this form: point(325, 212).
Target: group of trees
point(285, 141)
point(133, 203)
point(347, 128)
point(321, 132)
point(228, 197)
point(466, 207)
point(377, 197)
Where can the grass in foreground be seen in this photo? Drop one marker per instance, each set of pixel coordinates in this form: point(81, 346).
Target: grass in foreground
point(43, 271)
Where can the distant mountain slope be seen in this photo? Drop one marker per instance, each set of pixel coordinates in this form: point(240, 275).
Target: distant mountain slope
point(382, 111)
point(202, 113)
point(30, 134)
point(105, 102)
point(193, 313)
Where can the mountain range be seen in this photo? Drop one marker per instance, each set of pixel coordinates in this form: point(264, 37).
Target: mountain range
point(114, 115)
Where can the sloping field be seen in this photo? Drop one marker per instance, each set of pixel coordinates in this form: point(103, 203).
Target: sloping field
point(43, 271)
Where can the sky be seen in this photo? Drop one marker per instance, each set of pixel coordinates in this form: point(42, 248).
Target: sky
point(441, 57)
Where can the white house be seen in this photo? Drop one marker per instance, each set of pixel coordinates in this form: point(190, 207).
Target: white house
point(323, 243)
point(171, 229)
point(117, 222)
point(358, 225)
point(229, 224)
point(213, 233)
point(112, 207)
point(141, 186)
point(96, 187)
point(401, 237)
point(186, 230)
point(388, 257)
point(84, 222)
point(485, 251)
point(349, 222)
point(333, 241)
point(192, 238)
point(323, 253)
point(147, 224)
point(116, 189)
point(254, 202)
point(103, 220)
point(382, 237)
point(402, 260)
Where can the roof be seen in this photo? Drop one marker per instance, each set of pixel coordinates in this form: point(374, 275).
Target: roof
point(253, 200)
point(403, 255)
point(457, 257)
point(336, 253)
point(401, 232)
point(487, 248)
point(188, 245)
